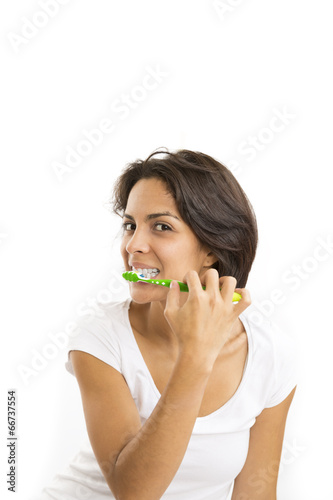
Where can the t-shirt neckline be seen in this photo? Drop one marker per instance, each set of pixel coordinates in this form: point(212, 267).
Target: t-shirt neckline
point(247, 366)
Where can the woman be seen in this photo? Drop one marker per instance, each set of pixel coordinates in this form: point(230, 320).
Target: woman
point(184, 396)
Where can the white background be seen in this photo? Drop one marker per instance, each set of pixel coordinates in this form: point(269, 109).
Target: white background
point(225, 76)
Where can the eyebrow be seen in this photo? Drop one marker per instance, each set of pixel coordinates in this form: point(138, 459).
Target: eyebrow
point(154, 216)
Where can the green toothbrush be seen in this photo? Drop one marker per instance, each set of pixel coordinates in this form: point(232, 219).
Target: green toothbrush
point(133, 276)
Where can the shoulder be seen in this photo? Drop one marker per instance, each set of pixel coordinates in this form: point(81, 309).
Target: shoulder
point(267, 336)
point(275, 357)
point(100, 331)
point(103, 317)
point(113, 309)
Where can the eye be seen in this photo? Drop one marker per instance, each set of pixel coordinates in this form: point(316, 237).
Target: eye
point(124, 226)
point(163, 225)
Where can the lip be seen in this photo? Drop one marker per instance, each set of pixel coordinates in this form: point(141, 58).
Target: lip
point(140, 265)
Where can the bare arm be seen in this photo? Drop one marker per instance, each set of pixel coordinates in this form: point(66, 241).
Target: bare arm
point(258, 478)
point(150, 455)
point(141, 461)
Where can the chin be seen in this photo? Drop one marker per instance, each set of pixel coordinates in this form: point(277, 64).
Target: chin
point(142, 296)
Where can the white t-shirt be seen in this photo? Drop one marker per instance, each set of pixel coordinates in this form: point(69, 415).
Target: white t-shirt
point(218, 447)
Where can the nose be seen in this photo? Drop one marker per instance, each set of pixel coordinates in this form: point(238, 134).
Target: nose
point(138, 242)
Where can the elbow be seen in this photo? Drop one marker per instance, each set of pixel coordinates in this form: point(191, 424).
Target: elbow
point(118, 486)
point(123, 490)
point(125, 484)
point(113, 479)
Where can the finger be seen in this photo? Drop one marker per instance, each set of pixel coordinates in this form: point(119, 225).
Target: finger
point(227, 284)
point(244, 302)
point(193, 282)
point(211, 281)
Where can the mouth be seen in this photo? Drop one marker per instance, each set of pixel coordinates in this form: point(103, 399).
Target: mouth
point(147, 273)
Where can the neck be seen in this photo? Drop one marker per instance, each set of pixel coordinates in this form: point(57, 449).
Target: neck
point(149, 320)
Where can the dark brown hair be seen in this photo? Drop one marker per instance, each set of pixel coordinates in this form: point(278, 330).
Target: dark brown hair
point(210, 201)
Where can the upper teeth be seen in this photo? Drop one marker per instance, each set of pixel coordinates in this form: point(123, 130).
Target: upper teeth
point(149, 273)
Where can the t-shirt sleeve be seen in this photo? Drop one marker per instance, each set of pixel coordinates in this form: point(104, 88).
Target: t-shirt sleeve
point(285, 366)
point(96, 337)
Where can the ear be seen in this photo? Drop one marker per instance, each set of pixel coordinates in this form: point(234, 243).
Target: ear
point(210, 260)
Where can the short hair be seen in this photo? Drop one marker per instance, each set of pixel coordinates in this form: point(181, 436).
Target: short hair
point(210, 201)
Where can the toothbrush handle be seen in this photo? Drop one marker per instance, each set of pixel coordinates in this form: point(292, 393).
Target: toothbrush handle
point(184, 288)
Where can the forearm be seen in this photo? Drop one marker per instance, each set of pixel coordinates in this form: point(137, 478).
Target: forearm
point(148, 463)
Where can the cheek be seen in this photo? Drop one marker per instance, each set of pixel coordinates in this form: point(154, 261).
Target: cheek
point(123, 251)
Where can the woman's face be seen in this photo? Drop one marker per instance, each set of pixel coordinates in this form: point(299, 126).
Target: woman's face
point(164, 242)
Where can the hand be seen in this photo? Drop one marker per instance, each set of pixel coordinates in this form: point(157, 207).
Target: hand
point(203, 324)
